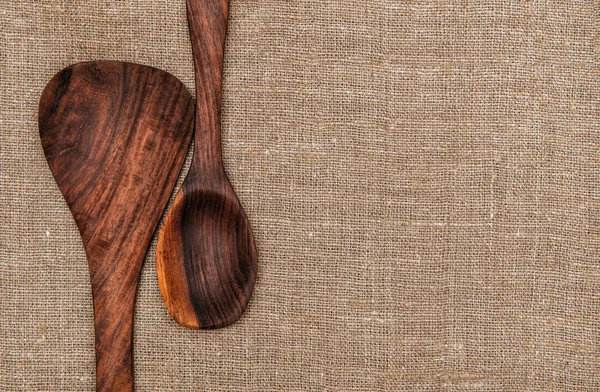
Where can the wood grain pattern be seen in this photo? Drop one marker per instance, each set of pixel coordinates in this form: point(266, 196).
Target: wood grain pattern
point(115, 136)
point(206, 256)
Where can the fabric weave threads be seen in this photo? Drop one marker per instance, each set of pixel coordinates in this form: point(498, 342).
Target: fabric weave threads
point(422, 179)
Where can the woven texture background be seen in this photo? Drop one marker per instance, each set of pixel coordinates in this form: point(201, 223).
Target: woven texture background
point(422, 178)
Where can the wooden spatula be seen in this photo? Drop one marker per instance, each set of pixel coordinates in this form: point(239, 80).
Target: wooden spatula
point(206, 258)
point(115, 136)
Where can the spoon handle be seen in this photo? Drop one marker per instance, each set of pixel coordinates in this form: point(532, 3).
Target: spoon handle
point(207, 20)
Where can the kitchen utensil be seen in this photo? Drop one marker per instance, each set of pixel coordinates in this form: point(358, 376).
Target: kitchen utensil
point(115, 136)
point(206, 256)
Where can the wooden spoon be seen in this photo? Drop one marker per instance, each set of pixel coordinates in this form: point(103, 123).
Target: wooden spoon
point(206, 257)
point(115, 136)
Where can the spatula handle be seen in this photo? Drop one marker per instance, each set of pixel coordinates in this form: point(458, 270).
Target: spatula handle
point(114, 300)
point(207, 21)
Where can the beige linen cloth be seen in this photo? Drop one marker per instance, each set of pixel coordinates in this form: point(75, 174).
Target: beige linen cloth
point(422, 177)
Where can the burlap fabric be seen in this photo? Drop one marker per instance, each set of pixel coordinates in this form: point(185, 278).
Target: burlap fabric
point(422, 178)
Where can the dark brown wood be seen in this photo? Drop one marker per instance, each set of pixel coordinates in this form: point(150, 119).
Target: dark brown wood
point(206, 257)
point(115, 136)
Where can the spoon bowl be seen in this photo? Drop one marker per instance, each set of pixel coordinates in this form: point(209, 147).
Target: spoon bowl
point(206, 257)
